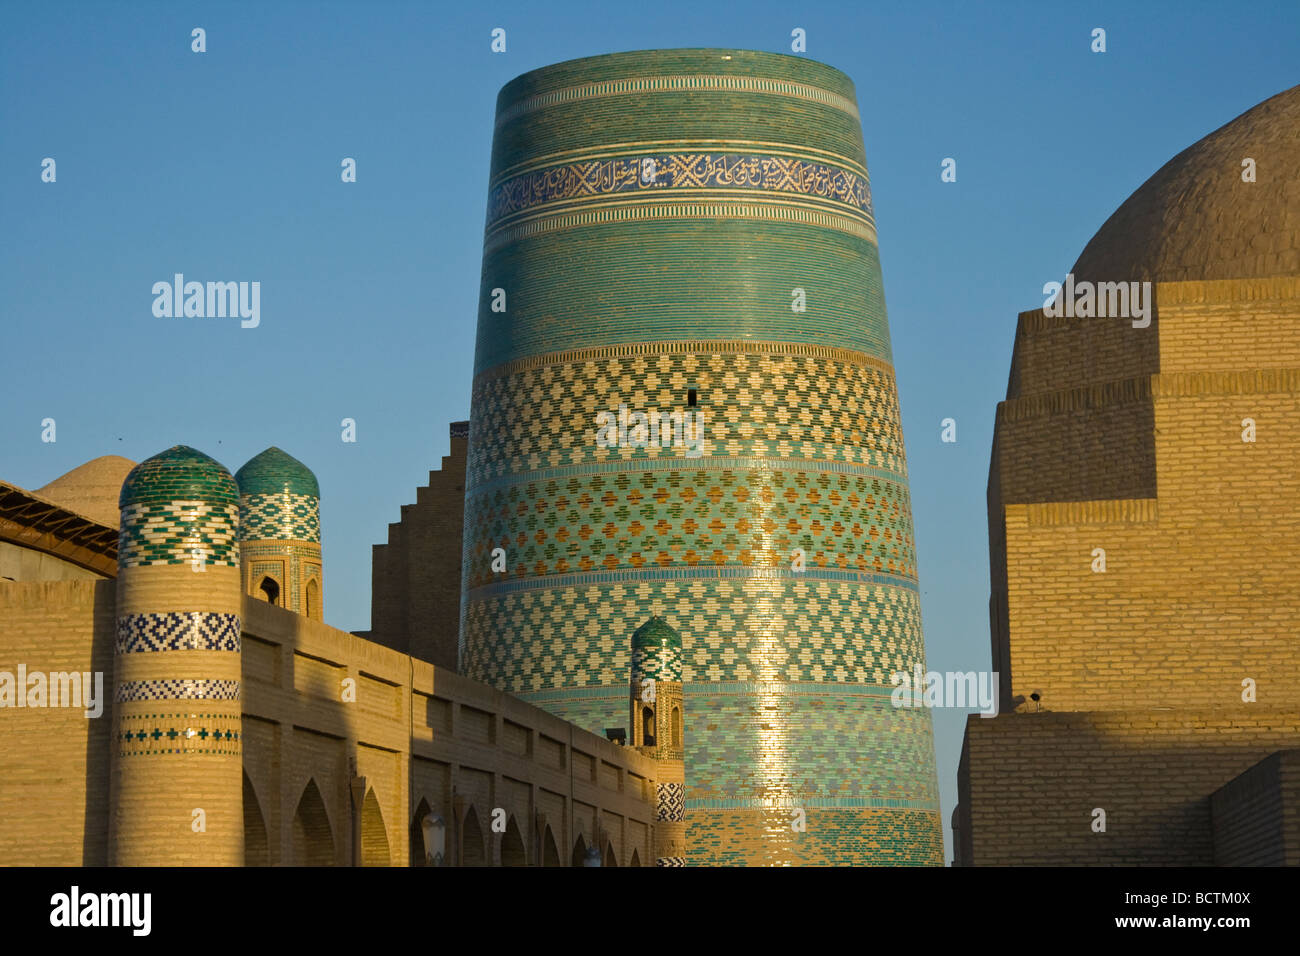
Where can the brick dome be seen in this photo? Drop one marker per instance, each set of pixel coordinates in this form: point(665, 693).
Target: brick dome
point(1195, 219)
point(91, 489)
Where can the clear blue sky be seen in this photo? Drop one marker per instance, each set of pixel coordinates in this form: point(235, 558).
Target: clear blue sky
point(225, 165)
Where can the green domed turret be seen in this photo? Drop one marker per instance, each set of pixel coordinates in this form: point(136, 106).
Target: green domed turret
point(657, 707)
point(279, 531)
point(656, 651)
point(177, 666)
point(179, 507)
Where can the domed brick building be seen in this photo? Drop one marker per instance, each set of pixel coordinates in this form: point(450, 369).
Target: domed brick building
point(1144, 509)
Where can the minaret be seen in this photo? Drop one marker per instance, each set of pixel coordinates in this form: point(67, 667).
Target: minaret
point(657, 715)
point(279, 532)
point(684, 405)
point(176, 792)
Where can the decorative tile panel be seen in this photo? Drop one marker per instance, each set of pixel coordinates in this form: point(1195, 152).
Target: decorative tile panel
point(178, 631)
point(179, 532)
point(664, 175)
point(184, 689)
point(279, 516)
point(671, 802)
point(174, 734)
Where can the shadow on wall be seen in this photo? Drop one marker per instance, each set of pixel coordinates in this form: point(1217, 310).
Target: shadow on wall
point(99, 757)
point(304, 803)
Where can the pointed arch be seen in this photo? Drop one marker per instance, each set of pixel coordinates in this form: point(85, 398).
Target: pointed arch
point(610, 858)
point(579, 852)
point(636, 859)
point(422, 810)
point(269, 589)
point(513, 852)
point(313, 838)
point(257, 850)
point(374, 835)
point(550, 848)
point(472, 852)
point(676, 728)
point(313, 600)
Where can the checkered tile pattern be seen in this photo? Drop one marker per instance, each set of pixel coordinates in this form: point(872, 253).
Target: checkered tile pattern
point(198, 689)
point(174, 532)
point(671, 807)
point(671, 861)
point(184, 631)
point(755, 404)
point(734, 630)
point(657, 663)
point(745, 517)
point(279, 517)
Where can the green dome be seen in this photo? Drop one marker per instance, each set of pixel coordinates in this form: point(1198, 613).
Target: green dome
point(179, 473)
point(275, 472)
point(656, 632)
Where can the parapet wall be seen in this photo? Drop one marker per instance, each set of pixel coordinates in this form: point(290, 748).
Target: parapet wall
point(426, 741)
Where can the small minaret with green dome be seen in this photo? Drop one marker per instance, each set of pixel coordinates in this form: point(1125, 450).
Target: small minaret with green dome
point(279, 522)
point(176, 791)
point(657, 715)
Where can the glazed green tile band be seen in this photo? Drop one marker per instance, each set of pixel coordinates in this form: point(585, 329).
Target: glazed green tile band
point(685, 238)
point(275, 472)
point(179, 507)
point(279, 499)
point(295, 517)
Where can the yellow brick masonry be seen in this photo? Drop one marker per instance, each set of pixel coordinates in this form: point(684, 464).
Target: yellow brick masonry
point(1130, 440)
point(54, 761)
point(422, 737)
point(422, 734)
point(415, 588)
point(1029, 783)
point(1199, 589)
point(177, 809)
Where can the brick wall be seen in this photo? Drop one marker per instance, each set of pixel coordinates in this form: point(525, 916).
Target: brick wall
point(415, 591)
point(1030, 783)
point(1257, 815)
point(424, 739)
point(54, 761)
point(1130, 441)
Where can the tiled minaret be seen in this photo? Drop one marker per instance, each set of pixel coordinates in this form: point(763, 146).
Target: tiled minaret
point(684, 405)
point(657, 715)
point(279, 532)
point(177, 793)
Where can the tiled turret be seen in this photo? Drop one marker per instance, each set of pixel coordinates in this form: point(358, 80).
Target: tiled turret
point(279, 520)
point(658, 715)
point(177, 767)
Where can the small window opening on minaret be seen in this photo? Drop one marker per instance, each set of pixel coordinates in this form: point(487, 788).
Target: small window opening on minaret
point(270, 590)
point(648, 723)
point(692, 396)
